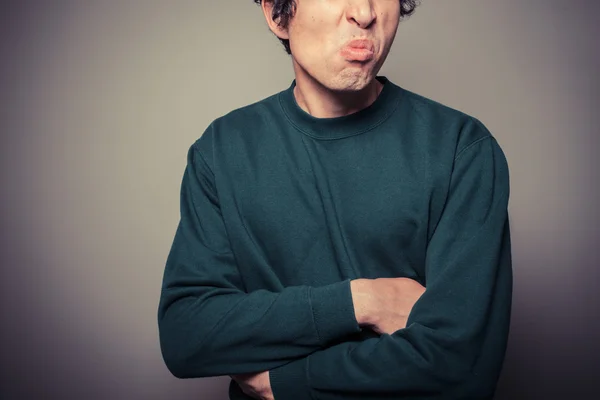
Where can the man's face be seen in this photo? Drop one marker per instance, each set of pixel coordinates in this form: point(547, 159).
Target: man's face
point(321, 34)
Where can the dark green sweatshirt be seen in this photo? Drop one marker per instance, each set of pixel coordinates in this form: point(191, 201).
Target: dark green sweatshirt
point(280, 210)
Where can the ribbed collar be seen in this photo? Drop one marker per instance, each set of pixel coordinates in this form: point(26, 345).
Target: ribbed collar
point(345, 126)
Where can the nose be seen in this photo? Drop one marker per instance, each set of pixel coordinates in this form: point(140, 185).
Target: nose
point(360, 12)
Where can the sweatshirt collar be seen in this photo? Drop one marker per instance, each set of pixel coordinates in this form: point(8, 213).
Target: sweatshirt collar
point(345, 126)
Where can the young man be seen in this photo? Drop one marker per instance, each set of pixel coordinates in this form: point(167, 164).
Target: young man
point(312, 222)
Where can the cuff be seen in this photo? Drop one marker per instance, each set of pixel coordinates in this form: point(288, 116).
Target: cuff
point(333, 311)
point(290, 381)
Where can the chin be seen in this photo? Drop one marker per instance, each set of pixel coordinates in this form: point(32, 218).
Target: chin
point(352, 81)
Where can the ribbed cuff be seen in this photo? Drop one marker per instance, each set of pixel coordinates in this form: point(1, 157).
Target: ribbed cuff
point(290, 381)
point(333, 311)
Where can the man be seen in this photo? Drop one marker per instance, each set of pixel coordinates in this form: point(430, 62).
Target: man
point(312, 222)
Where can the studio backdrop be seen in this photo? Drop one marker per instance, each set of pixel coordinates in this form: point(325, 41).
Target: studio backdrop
point(100, 101)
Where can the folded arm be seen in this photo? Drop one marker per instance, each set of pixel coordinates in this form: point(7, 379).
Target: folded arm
point(209, 325)
point(454, 342)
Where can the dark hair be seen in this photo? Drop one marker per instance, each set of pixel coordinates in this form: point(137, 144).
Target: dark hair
point(283, 11)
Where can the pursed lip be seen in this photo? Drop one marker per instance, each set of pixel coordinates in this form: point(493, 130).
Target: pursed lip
point(358, 50)
point(360, 44)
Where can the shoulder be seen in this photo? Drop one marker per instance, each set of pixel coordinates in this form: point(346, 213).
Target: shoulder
point(445, 121)
point(464, 140)
point(247, 117)
point(237, 125)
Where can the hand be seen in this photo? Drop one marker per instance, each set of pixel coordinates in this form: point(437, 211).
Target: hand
point(384, 304)
point(257, 385)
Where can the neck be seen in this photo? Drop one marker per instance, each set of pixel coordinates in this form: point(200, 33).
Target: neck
point(322, 102)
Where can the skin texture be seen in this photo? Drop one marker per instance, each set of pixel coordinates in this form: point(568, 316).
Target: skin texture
point(257, 386)
point(330, 83)
point(384, 304)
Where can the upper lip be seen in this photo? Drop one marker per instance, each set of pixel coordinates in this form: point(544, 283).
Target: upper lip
point(360, 44)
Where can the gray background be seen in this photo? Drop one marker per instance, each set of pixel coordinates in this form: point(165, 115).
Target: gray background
point(100, 101)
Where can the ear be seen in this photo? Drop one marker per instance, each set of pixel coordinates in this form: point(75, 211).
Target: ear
point(267, 7)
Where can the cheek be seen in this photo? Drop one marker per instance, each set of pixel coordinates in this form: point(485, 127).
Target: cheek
point(311, 42)
point(389, 25)
point(390, 15)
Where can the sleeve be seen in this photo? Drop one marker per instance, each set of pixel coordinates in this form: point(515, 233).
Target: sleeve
point(208, 325)
point(454, 343)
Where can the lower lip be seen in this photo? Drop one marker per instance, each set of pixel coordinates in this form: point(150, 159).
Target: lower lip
point(356, 54)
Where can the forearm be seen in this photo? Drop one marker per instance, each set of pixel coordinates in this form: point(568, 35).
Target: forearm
point(364, 311)
point(208, 324)
point(208, 331)
point(461, 357)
